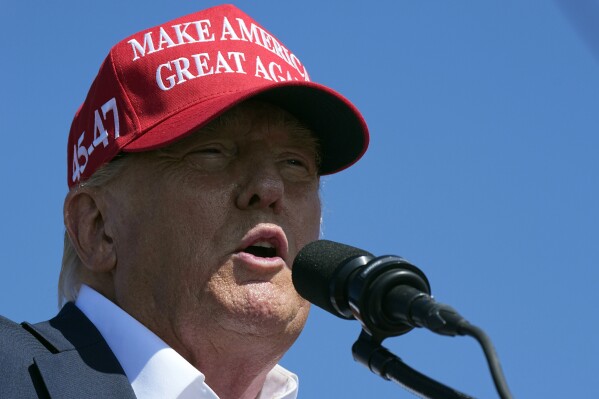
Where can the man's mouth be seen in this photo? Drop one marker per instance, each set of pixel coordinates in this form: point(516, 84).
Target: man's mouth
point(262, 249)
point(265, 241)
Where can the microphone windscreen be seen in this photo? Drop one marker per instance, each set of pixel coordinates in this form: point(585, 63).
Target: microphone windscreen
point(314, 268)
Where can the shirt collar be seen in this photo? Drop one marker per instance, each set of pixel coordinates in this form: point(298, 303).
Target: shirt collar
point(154, 369)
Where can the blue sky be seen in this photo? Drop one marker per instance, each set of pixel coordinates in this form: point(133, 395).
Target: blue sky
point(482, 170)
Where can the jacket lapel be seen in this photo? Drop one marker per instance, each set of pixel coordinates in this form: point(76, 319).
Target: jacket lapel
point(67, 375)
point(80, 364)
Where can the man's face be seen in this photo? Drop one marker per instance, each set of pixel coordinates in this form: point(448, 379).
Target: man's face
point(208, 228)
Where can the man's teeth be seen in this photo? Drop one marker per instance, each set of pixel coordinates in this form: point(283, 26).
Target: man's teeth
point(263, 244)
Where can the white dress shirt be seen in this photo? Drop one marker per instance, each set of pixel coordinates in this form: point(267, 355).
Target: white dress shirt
point(154, 369)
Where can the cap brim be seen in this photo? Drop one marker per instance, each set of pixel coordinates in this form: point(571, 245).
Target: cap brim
point(339, 126)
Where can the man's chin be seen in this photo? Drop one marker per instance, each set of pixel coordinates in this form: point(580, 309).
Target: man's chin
point(267, 311)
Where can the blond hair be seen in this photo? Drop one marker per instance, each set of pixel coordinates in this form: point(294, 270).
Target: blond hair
point(69, 280)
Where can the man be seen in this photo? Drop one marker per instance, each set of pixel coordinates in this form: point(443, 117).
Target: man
point(193, 168)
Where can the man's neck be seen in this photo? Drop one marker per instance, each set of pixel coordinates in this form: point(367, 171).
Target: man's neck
point(237, 370)
point(235, 363)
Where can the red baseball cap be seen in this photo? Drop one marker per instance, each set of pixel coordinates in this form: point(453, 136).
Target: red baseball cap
point(161, 84)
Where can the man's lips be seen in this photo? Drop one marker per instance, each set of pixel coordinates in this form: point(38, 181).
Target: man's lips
point(264, 245)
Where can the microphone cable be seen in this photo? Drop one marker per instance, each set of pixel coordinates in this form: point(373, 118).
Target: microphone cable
point(389, 297)
point(492, 359)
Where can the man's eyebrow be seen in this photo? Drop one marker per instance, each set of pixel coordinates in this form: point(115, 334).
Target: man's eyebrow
point(304, 138)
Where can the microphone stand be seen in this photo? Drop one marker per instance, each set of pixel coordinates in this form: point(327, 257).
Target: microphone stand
point(390, 296)
point(369, 352)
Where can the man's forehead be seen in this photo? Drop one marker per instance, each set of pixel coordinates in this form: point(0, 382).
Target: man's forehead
point(255, 111)
point(255, 117)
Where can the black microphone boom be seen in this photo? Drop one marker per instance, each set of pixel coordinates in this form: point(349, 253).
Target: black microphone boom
point(387, 294)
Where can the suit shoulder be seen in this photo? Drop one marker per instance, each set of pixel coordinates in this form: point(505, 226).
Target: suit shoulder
point(17, 345)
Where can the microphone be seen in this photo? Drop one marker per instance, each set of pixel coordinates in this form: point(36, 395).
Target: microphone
point(387, 294)
point(390, 297)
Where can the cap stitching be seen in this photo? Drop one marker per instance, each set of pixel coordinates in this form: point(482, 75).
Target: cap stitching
point(118, 77)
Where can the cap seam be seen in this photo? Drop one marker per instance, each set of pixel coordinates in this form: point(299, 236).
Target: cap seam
point(119, 78)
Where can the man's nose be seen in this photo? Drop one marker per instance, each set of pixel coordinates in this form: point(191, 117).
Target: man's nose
point(262, 187)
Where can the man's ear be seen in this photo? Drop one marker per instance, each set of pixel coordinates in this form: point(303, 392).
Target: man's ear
point(88, 229)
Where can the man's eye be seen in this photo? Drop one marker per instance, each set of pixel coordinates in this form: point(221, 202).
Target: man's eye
point(210, 150)
point(296, 162)
point(299, 167)
point(209, 158)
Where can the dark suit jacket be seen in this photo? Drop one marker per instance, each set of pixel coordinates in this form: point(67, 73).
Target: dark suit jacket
point(65, 357)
